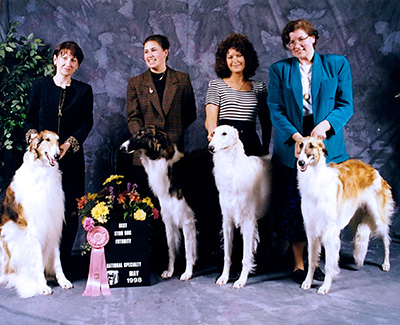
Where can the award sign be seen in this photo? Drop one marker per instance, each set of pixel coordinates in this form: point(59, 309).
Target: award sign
point(97, 281)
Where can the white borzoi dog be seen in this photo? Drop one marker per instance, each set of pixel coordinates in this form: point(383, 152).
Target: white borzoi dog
point(243, 183)
point(32, 217)
point(159, 157)
point(334, 195)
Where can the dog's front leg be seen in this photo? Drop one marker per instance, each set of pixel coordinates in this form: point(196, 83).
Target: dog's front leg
point(189, 233)
point(250, 235)
point(172, 234)
point(227, 226)
point(63, 282)
point(313, 252)
point(331, 243)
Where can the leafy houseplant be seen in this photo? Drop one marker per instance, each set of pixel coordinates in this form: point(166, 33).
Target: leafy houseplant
point(22, 59)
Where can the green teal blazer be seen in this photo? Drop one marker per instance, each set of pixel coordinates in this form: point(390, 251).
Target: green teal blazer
point(332, 100)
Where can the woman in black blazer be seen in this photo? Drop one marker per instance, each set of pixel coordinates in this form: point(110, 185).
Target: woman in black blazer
point(65, 106)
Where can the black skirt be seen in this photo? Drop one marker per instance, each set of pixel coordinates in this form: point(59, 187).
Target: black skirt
point(248, 135)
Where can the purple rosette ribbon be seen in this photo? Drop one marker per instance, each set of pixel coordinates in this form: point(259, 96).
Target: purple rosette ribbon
point(97, 281)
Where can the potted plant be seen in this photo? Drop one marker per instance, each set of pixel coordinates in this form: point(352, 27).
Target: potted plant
point(22, 59)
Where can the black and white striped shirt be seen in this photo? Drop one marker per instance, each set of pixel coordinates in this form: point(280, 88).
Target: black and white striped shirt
point(236, 104)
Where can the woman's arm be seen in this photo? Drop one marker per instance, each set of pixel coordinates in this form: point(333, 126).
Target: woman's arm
point(211, 122)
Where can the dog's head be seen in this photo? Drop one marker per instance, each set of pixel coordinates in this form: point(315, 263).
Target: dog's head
point(311, 152)
point(45, 147)
point(152, 141)
point(224, 137)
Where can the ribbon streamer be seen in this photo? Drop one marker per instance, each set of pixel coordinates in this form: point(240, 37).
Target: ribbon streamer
point(97, 279)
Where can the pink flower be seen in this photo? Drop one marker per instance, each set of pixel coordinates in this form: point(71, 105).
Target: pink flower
point(88, 223)
point(156, 215)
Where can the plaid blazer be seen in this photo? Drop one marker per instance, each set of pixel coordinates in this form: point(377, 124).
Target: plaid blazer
point(173, 115)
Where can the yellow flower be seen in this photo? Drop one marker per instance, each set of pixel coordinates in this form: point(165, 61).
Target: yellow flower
point(100, 212)
point(140, 215)
point(91, 196)
point(113, 177)
point(147, 200)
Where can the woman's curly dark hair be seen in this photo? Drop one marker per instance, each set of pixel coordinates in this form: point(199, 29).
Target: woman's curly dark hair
point(241, 44)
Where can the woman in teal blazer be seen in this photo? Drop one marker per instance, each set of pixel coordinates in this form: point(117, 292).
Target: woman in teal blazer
point(309, 94)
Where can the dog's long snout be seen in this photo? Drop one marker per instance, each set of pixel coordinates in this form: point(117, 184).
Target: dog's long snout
point(56, 156)
point(124, 146)
point(301, 163)
point(211, 148)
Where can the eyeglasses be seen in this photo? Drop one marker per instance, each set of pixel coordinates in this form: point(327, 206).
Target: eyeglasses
point(301, 41)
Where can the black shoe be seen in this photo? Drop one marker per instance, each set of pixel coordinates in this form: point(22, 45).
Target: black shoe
point(299, 276)
point(318, 274)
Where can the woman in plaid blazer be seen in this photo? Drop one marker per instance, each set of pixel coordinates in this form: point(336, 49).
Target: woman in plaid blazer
point(160, 96)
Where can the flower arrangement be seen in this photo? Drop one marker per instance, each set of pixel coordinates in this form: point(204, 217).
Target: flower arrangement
point(113, 201)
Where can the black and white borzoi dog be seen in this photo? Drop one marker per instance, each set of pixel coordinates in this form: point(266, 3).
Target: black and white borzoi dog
point(159, 157)
point(335, 195)
point(243, 183)
point(31, 223)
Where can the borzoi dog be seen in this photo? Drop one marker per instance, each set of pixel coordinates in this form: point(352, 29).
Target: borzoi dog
point(243, 183)
point(334, 195)
point(31, 223)
point(159, 157)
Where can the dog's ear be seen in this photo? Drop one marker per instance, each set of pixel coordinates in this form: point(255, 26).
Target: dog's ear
point(36, 141)
point(323, 148)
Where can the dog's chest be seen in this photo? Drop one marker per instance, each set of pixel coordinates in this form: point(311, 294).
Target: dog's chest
point(157, 173)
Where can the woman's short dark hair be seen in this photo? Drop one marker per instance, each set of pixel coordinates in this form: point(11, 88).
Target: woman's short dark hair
point(76, 51)
point(160, 39)
point(295, 25)
point(241, 44)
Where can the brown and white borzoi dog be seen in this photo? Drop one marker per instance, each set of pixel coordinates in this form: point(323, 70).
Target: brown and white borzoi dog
point(159, 157)
point(243, 183)
point(334, 195)
point(31, 223)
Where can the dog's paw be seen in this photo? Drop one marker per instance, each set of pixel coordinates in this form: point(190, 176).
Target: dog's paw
point(167, 274)
point(239, 284)
point(186, 276)
point(386, 267)
point(306, 285)
point(45, 290)
point(324, 289)
point(222, 280)
point(64, 283)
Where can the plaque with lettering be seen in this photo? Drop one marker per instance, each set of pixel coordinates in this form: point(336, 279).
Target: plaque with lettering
point(127, 254)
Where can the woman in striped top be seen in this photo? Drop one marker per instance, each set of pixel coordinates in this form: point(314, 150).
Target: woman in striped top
point(234, 99)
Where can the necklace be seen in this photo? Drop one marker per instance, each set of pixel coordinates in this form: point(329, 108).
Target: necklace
point(162, 75)
point(60, 106)
point(244, 82)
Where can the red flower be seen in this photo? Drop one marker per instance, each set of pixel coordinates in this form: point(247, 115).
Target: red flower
point(121, 198)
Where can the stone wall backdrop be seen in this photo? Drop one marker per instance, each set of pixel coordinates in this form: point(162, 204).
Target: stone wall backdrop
point(111, 33)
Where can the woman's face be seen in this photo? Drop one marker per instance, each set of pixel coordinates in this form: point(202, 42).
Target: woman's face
point(301, 45)
point(235, 61)
point(155, 56)
point(66, 64)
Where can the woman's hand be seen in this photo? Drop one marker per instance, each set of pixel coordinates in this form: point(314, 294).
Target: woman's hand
point(319, 132)
point(64, 148)
point(296, 137)
point(211, 119)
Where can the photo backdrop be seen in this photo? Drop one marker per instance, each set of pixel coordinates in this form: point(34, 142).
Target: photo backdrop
point(111, 33)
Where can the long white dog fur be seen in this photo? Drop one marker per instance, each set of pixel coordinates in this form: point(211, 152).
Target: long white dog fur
point(159, 157)
point(243, 183)
point(335, 195)
point(32, 218)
